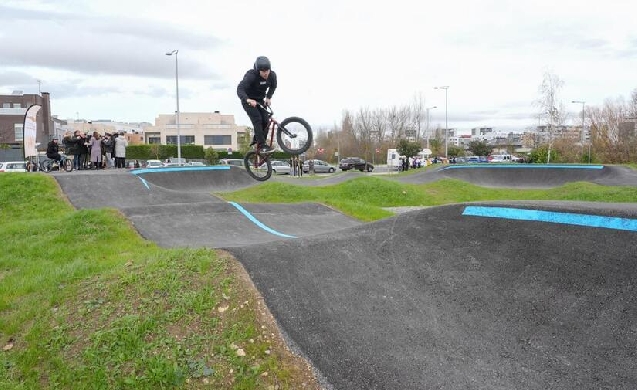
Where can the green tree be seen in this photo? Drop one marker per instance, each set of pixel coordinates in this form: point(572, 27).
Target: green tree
point(455, 151)
point(409, 149)
point(211, 156)
point(479, 148)
point(245, 141)
point(541, 155)
point(155, 150)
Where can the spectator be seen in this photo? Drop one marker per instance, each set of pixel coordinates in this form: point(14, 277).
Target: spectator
point(108, 146)
point(120, 151)
point(95, 145)
point(84, 152)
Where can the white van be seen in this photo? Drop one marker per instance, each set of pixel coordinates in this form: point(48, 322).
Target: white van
point(394, 159)
point(500, 158)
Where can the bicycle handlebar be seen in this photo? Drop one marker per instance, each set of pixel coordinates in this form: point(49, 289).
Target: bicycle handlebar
point(267, 109)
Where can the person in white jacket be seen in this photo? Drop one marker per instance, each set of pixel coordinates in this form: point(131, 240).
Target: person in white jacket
point(120, 151)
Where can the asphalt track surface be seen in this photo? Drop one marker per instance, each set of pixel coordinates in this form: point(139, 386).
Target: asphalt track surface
point(513, 295)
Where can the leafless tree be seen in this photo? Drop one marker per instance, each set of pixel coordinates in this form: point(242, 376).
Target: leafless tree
point(633, 104)
point(552, 109)
point(418, 115)
point(397, 120)
point(379, 125)
point(363, 127)
point(612, 132)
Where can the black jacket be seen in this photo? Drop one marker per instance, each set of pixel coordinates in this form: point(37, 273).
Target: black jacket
point(52, 149)
point(253, 86)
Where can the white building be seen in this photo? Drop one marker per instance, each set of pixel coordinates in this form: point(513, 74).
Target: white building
point(210, 129)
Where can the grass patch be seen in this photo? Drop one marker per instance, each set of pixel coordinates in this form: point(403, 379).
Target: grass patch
point(365, 197)
point(85, 303)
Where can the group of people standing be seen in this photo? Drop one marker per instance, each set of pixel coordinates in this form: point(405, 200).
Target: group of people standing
point(103, 152)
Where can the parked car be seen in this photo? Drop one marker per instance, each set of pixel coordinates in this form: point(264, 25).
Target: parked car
point(281, 167)
point(176, 161)
point(237, 162)
point(154, 164)
point(13, 166)
point(355, 163)
point(196, 164)
point(320, 166)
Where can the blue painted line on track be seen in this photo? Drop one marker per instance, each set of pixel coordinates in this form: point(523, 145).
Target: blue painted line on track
point(523, 166)
point(259, 223)
point(553, 217)
point(144, 181)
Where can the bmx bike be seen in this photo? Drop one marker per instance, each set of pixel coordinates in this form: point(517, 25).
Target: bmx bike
point(293, 136)
point(49, 165)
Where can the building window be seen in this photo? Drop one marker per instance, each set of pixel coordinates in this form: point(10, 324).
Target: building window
point(6, 105)
point(17, 105)
point(185, 140)
point(154, 139)
point(19, 134)
point(217, 140)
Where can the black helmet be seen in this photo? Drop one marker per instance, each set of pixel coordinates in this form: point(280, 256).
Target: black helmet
point(262, 63)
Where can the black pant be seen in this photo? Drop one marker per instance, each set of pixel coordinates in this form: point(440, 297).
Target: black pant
point(55, 157)
point(259, 119)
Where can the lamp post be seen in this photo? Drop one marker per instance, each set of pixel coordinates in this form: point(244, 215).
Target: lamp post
point(445, 87)
point(175, 52)
point(583, 103)
point(428, 133)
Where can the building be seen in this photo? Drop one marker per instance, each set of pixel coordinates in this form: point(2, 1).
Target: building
point(12, 110)
point(478, 131)
point(210, 129)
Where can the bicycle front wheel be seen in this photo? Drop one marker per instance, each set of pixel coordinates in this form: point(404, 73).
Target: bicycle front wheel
point(46, 165)
point(258, 167)
point(294, 135)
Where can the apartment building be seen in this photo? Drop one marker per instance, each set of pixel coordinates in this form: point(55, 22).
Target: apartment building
point(12, 110)
point(210, 129)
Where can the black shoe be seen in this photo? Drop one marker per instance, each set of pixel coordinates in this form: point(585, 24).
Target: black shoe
point(265, 149)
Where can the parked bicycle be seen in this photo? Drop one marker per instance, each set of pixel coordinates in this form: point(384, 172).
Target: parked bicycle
point(293, 135)
point(33, 164)
point(49, 165)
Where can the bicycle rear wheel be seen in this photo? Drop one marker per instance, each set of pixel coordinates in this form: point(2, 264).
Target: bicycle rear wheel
point(294, 135)
point(258, 167)
point(68, 165)
point(31, 166)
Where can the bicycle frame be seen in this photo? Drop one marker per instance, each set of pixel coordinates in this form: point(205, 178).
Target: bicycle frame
point(273, 124)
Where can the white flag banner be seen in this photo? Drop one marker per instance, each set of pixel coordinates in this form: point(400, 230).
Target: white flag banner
point(30, 129)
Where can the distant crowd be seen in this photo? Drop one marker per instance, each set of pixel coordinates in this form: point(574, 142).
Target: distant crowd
point(94, 151)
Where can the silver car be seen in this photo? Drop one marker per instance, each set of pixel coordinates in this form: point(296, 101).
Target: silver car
point(281, 168)
point(13, 166)
point(320, 166)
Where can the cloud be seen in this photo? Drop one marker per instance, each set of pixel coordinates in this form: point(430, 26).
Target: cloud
point(16, 79)
point(106, 45)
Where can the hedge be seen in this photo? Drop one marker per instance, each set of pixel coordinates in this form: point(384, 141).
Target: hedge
point(189, 152)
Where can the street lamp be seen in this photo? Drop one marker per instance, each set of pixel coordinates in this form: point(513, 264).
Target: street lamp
point(428, 133)
point(445, 87)
point(583, 103)
point(175, 52)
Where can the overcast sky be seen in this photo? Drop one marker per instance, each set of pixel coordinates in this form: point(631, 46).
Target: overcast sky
point(106, 59)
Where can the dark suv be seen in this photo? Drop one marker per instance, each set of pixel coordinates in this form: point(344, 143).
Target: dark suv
point(355, 163)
